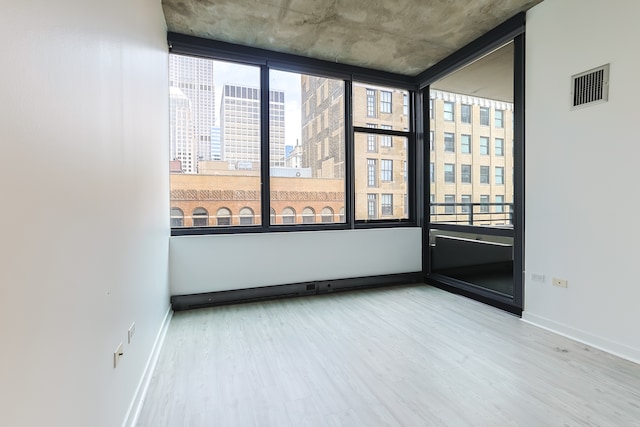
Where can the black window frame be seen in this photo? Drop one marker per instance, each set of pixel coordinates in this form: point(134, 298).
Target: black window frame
point(269, 60)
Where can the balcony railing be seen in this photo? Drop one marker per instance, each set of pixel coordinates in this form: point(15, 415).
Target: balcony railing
point(477, 214)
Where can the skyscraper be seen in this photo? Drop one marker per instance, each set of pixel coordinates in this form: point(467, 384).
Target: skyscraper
point(240, 127)
point(182, 140)
point(194, 77)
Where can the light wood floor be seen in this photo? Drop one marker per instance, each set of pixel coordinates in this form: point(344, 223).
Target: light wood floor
point(400, 356)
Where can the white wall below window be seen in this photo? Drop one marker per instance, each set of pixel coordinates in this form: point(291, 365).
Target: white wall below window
point(200, 264)
point(581, 180)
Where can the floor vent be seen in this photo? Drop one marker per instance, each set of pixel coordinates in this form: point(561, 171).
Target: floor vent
point(590, 87)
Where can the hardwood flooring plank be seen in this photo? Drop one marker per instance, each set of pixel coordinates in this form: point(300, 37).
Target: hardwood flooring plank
point(400, 356)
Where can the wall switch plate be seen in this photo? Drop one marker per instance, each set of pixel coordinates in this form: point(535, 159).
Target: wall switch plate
point(131, 332)
point(117, 355)
point(563, 283)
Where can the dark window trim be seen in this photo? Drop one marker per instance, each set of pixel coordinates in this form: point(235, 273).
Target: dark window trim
point(267, 60)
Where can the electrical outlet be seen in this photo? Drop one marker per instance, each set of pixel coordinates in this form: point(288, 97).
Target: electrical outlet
point(131, 332)
point(537, 277)
point(117, 355)
point(563, 283)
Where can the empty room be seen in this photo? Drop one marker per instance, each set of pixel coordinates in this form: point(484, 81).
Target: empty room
point(319, 213)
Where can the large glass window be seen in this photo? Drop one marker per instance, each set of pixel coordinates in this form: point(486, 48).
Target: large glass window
point(380, 182)
point(307, 142)
point(214, 138)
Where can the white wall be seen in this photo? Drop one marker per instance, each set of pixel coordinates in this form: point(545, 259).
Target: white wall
point(84, 185)
point(581, 174)
point(226, 262)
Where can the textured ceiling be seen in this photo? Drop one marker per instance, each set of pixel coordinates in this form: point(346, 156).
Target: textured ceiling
point(402, 36)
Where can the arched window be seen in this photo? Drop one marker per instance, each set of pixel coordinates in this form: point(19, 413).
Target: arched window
point(273, 216)
point(200, 217)
point(308, 215)
point(288, 216)
point(223, 216)
point(246, 216)
point(341, 214)
point(177, 217)
point(327, 214)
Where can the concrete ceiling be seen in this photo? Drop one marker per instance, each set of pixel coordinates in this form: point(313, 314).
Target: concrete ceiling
point(401, 36)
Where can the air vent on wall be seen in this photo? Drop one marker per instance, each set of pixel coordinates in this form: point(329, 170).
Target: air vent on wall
point(590, 87)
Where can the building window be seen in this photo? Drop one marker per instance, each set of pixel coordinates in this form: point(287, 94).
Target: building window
point(386, 170)
point(272, 215)
point(308, 215)
point(484, 116)
point(484, 145)
point(432, 175)
point(449, 173)
point(499, 175)
point(431, 108)
point(406, 204)
point(404, 170)
point(449, 115)
point(385, 102)
point(449, 142)
point(484, 174)
point(484, 203)
point(327, 215)
point(386, 140)
point(499, 151)
point(371, 103)
point(372, 143)
point(499, 118)
point(465, 174)
point(200, 217)
point(246, 216)
point(465, 203)
point(177, 217)
point(386, 203)
point(223, 217)
point(341, 214)
point(500, 205)
point(465, 144)
point(371, 173)
point(450, 201)
point(431, 141)
point(372, 206)
point(288, 216)
point(405, 104)
point(432, 201)
point(465, 113)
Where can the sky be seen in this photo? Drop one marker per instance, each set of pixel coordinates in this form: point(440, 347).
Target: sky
point(289, 83)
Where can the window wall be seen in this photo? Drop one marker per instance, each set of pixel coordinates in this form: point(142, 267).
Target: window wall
point(248, 139)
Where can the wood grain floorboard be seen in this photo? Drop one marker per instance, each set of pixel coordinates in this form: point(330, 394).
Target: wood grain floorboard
point(399, 356)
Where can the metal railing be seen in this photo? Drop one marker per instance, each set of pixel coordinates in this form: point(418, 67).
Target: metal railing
point(492, 214)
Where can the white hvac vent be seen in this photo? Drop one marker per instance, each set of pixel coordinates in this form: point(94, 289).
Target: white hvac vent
point(590, 87)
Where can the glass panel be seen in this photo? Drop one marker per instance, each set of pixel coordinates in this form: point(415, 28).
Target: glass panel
point(214, 140)
point(386, 108)
point(482, 194)
point(380, 179)
point(306, 147)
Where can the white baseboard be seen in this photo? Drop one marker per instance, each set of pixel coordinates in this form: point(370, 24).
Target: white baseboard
point(617, 349)
point(133, 413)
